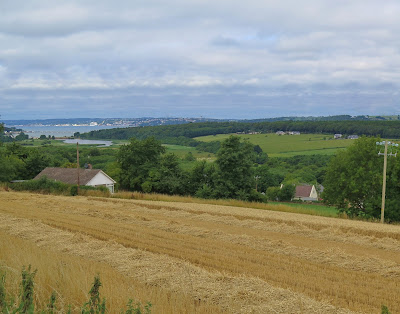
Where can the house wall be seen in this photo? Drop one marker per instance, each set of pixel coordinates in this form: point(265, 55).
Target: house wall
point(314, 193)
point(102, 180)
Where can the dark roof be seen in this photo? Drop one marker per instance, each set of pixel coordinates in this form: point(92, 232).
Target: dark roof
point(69, 175)
point(303, 191)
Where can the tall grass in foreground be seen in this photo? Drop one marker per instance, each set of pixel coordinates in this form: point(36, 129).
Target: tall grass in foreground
point(70, 277)
point(24, 303)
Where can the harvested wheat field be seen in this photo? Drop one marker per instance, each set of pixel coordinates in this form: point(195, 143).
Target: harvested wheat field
point(196, 258)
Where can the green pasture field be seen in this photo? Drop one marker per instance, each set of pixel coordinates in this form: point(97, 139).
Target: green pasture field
point(289, 145)
point(181, 152)
point(311, 209)
point(39, 143)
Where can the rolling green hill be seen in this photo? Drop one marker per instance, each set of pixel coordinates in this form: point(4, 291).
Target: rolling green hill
point(289, 145)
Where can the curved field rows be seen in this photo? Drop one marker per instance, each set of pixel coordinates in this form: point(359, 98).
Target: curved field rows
point(234, 259)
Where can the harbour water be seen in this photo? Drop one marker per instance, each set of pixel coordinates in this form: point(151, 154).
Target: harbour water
point(60, 131)
point(86, 142)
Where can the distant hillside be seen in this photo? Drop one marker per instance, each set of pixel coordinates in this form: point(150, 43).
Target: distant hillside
point(174, 134)
point(151, 121)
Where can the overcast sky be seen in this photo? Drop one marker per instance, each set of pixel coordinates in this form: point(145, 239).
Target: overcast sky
point(192, 58)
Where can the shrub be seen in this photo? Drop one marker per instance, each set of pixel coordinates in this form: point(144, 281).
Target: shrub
point(43, 185)
point(47, 186)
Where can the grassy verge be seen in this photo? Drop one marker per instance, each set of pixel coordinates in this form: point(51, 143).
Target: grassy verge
point(309, 209)
point(57, 188)
point(312, 209)
point(47, 186)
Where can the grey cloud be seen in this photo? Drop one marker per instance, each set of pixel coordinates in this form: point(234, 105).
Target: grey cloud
point(225, 41)
point(264, 56)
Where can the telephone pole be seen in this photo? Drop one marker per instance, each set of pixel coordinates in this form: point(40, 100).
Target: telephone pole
point(385, 154)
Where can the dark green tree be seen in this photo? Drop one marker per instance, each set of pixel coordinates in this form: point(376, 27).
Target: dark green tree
point(35, 162)
point(21, 137)
point(272, 193)
point(11, 168)
point(200, 181)
point(234, 177)
point(167, 177)
point(286, 193)
point(353, 181)
point(136, 160)
point(266, 178)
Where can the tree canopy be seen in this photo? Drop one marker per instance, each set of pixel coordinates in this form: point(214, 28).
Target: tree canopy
point(353, 181)
point(136, 160)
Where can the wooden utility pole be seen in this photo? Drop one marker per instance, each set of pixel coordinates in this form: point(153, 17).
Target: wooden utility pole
point(384, 183)
point(77, 164)
point(385, 155)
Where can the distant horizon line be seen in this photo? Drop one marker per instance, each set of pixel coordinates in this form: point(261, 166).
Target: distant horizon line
point(200, 117)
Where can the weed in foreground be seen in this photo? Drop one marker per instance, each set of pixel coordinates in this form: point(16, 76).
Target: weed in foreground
point(384, 310)
point(26, 297)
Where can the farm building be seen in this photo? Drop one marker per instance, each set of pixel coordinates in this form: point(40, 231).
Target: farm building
point(352, 137)
point(89, 177)
point(306, 193)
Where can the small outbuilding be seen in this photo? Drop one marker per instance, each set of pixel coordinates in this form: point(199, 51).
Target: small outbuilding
point(89, 177)
point(352, 137)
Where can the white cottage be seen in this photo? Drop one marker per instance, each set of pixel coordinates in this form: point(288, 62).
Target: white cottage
point(89, 177)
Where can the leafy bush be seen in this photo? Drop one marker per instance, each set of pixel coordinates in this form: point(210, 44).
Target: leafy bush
point(43, 185)
point(48, 186)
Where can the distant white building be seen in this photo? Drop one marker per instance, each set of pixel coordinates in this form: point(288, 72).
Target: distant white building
point(336, 136)
point(352, 137)
point(280, 133)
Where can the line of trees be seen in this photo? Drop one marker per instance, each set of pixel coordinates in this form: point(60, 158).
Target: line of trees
point(144, 166)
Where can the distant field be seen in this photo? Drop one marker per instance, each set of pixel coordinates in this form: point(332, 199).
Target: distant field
point(289, 145)
point(199, 258)
point(314, 209)
point(181, 151)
